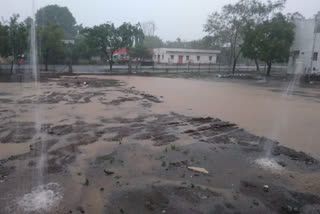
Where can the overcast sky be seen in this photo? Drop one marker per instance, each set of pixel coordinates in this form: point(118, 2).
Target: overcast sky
point(173, 18)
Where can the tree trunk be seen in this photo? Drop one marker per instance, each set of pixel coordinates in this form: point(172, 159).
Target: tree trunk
point(269, 65)
point(11, 69)
point(231, 56)
point(129, 66)
point(110, 65)
point(234, 66)
point(235, 60)
point(257, 64)
point(46, 58)
point(111, 62)
point(70, 66)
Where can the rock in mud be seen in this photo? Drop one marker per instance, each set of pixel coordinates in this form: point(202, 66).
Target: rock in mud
point(198, 169)
point(108, 172)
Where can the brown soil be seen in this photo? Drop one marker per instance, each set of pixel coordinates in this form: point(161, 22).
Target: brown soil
point(128, 158)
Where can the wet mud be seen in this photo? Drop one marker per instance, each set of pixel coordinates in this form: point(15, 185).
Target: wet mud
point(111, 152)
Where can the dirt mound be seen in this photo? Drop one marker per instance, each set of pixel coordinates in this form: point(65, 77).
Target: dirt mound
point(166, 199)
point(280, 199)
point(88, 82)
point(17, 132)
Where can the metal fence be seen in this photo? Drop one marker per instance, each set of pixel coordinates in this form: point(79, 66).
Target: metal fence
point(158, 68)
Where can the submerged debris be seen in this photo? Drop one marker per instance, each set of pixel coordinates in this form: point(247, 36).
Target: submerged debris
point(108, 172)
point(198, 169)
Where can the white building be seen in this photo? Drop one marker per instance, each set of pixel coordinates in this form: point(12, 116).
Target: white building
point(306, 47)
point(184, 56)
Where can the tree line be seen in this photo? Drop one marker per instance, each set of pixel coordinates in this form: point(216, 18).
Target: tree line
point(61, 40)
point(248, 28)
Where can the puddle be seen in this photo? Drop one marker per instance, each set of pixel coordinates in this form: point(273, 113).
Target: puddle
point(245, 105)
point(42, 199)
point(268, 164)
point(12, 149)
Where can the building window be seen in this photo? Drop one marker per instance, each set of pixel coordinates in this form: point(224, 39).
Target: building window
point(172, 57)
point(198, 58)
point(210, 58)
point(187, 57)
point(315, 56)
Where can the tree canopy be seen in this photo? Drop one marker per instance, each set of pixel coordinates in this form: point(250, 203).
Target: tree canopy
point(4, 40)
point(13, 39)
point(141, 52)
point(227, 27)
point(50, 44)
point(153, 42)
point(269, 41)
point(60, 16)
point(107, 38)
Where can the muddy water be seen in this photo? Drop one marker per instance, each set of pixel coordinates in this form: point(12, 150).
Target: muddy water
point(110, 146)
point(294, 121)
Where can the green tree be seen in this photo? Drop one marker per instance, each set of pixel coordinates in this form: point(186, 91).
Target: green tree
point(60, 16)
point(140, 52)
point(227, 27)
point(207, 42)
point(81, 49)
point(51, 48)
point(270, 40)
point(106, 38)
point(178, 43)
point(13, 39)
point(130, 36)
point(250, 43)
point(153, 42)
point(28, 21)
point(4, 40)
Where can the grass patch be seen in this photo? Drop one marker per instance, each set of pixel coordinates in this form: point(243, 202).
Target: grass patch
point(164, 164)
point(109, 158)
point(175, 148)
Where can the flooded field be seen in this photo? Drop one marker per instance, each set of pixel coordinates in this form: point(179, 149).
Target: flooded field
point(292, 120)
point(99, 144)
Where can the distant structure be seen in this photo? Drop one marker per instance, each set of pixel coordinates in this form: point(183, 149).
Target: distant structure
point(148, 28)
point(306, 46)
point(121, 57)
point(184, 56)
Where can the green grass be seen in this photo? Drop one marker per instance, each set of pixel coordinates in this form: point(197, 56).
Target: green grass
point(175, 148)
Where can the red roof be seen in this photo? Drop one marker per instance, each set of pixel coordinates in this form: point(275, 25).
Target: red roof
point(125, 51)
point(121, 51)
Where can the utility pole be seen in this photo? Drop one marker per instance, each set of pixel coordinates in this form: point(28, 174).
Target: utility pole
point(315, 31)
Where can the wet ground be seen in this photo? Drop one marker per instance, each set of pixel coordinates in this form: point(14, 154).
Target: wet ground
point(261, 108)
point(110, 145)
